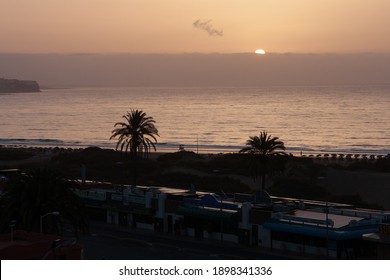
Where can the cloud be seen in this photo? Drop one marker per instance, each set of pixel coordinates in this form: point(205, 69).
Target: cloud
point(208, 27)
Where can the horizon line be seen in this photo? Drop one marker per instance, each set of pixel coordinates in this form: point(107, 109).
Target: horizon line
point(196, 53)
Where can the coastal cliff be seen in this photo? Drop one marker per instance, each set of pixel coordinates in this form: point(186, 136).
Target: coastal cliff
point(13, 85)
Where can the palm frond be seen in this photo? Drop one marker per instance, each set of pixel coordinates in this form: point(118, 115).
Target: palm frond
point(137, 135)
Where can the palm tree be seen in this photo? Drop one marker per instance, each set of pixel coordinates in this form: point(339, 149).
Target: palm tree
point(32, 194)
point(137, 136)
point(263, 148)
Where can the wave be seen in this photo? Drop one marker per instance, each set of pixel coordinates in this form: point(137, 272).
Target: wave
point(377, 150)
point(31, 142)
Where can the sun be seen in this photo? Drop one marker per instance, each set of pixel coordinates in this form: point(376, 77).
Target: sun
point(260, 51)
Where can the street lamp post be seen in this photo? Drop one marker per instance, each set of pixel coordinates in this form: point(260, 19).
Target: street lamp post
point(327, 230)
point(221, 226)
point(55, 213)
point(11, 225)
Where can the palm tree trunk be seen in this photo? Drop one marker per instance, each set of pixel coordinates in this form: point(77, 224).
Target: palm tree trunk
point(264, 173)
point(135, 171)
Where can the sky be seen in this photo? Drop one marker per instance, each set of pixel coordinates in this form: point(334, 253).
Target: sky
point(195, 43)
point(188, 26)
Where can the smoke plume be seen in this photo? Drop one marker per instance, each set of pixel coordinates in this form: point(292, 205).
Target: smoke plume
point(208, 27)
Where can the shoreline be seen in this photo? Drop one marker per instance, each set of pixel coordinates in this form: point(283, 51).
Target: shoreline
point(33, 154)
point(162, 149)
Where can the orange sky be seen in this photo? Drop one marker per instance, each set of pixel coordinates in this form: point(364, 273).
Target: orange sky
point(154, 26)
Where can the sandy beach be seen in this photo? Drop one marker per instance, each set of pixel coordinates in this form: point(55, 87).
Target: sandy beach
point(373, 187)
point(208, 171)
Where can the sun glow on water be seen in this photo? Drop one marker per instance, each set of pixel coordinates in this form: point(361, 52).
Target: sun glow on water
point(305, 117)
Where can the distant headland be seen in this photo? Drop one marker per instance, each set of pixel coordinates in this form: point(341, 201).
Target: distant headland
point(13, 85)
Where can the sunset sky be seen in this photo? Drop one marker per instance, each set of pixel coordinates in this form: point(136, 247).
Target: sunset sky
point(187, 26)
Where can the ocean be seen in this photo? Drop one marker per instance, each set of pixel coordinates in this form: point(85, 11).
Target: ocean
point(309, 119)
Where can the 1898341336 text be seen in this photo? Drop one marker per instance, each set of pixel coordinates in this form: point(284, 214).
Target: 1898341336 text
point(214, 271)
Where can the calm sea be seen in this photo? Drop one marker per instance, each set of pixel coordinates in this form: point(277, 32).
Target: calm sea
point(309, 119)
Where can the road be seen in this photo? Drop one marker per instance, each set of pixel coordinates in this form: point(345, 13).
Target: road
point(119, 243)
